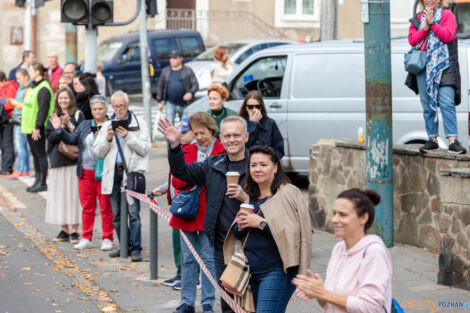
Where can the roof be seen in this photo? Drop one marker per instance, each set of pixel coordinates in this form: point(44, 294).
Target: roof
point(154, 33)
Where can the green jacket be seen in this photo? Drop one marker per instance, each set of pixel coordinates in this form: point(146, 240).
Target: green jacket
point(31, 108)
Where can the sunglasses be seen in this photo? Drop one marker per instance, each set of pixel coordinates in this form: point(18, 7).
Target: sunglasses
point(252, 106)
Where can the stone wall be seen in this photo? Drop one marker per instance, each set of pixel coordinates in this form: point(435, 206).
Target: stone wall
point(431, 198)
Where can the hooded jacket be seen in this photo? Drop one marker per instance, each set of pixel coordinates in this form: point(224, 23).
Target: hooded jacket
point(364, 273)
point(54, 75)
point(9, 92)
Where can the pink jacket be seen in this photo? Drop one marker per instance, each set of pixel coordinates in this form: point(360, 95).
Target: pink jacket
point(364, 273)
point(445, 31)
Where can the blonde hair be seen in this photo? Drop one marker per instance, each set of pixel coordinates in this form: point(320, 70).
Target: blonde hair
point(442, 3)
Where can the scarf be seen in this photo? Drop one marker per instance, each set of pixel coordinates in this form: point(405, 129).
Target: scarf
point(437, 59)
point(204, 151)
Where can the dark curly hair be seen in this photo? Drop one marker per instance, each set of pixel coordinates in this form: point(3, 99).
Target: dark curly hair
point(363, 202)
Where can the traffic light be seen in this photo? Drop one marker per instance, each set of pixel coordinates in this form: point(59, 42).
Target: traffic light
point(101, 12)
point(151, 7)
point(20, 3)
point(84, 12)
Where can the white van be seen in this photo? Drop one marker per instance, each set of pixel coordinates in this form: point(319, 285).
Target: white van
point(317, 90)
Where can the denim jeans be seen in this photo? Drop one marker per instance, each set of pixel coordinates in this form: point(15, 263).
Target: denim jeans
point(172, 110)
point(219, 269)
point(189, 272)
point(22, 150)
point(446, 104)
point(135, 236)
point(272, 291)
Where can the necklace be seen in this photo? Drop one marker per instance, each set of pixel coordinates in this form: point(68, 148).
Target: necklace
point(218, 115)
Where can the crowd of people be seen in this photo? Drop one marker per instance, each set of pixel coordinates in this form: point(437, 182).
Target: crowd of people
point(229, 162)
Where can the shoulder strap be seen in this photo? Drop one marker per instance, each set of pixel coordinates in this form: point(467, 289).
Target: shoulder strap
point(121, 153)
point(246, 238)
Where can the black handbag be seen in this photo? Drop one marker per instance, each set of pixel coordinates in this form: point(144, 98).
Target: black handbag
point(135, 180)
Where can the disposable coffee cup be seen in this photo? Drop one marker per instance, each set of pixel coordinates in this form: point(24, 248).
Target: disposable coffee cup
point(247, 208)
point(232, 177)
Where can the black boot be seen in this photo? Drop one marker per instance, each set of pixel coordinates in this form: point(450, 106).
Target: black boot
point(36, 181)
point(41, 186)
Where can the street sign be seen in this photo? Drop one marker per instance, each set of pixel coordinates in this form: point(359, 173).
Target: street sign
point(365, 11)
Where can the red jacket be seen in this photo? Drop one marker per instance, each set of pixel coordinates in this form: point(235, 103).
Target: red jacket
point(190, 155)
point(445, 31)
point(9, 92)
point(54, 75)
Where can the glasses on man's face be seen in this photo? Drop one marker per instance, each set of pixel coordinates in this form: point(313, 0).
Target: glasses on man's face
point(253, 106)
point(119, 106)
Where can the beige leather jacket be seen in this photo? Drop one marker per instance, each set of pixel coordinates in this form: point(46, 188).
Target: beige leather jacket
point(288, 218)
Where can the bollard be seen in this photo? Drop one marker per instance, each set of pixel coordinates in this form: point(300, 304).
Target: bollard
point(153, 245)
point(124, 240)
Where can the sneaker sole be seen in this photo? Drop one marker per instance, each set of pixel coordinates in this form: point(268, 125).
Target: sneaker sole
point(74, 241)
point(169, 284)
point(428, 150)
point(61, 240)
point(457, 152)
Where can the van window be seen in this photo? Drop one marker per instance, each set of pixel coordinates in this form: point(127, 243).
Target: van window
point(108, 49)
point(323, 75)
point(250, 51)
point(265, 75)
point(190, 46)
point(163, 47)
point(131, 54)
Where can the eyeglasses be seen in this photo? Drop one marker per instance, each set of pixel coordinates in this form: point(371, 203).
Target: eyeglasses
point(252, 106)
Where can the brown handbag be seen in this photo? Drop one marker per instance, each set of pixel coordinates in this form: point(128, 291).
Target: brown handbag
point(70, 151)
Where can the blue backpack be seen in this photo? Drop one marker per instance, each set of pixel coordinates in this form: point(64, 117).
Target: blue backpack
point(185, 204)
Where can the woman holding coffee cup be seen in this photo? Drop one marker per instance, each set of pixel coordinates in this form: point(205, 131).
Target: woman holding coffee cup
point(277, 230)
point(263, 130)
point(204, 130)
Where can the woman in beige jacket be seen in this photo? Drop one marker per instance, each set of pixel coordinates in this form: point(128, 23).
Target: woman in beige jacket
point(279, 242)
point(221, 68)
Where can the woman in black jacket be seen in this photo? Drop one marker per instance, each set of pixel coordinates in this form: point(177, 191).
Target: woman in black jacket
point(263, 130)
point(85, 87)
point(63, 204)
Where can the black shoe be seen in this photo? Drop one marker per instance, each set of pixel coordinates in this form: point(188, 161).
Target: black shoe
point(115, 254)
point(74, 238)
point(456, 148)
point(429, 146)
point(62, 236)
point(36, 181)
point(184, 308)
point(207, 308)
point(136, 256)
point(5, 172)
point(41, 186)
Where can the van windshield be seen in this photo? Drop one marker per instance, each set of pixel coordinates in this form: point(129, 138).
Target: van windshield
point(209, 54)
point(107, 50)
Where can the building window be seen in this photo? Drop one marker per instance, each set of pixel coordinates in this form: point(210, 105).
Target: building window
point(298, 7)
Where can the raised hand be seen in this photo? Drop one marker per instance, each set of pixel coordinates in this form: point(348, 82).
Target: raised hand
point(55, 121)
point(172, 134)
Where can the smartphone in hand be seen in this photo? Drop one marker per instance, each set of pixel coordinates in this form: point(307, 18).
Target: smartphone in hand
point(123, 123)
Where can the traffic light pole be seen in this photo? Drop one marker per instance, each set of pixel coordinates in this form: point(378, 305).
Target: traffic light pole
point(144, 60)
point(91, 34)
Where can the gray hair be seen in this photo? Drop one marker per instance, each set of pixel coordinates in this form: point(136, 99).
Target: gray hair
point(98, 99)
point(235, 118)
point(122, 94)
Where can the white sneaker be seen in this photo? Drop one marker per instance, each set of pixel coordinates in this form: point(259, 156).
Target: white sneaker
point(106, 245)
point(83, 244)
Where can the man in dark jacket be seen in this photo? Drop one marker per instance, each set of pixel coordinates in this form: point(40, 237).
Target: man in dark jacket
point(222, 201)
point(28, 59)
point(176, 87)
point(7, 92)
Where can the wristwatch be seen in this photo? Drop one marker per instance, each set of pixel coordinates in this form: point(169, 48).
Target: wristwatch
point(262, 224)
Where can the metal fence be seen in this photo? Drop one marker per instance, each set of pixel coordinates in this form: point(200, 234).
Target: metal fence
point(217, 26)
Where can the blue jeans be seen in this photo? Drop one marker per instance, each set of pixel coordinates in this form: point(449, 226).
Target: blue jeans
point(189, 268)
point(172, 110)
point(22, 150)
point(446, 104)
point(135, 236)
point(272, 291)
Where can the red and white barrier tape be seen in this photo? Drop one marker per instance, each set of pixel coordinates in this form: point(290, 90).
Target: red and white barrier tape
point(167, 216)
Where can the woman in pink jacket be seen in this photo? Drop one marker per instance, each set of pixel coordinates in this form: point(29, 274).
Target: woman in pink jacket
point(359, 273)
point(434, 30)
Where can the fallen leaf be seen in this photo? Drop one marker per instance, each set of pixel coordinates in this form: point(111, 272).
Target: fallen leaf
point(26, 268)
point(4, 253)
point(4, 247)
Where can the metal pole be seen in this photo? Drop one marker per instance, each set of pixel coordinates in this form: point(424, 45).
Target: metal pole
point(33, 26)
point(91, 34)
point(144, 58)
point(379, 114)
point(27, 25)
point(124, 240)
point(70, 43)
point(153, 245)
point(328, 20)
